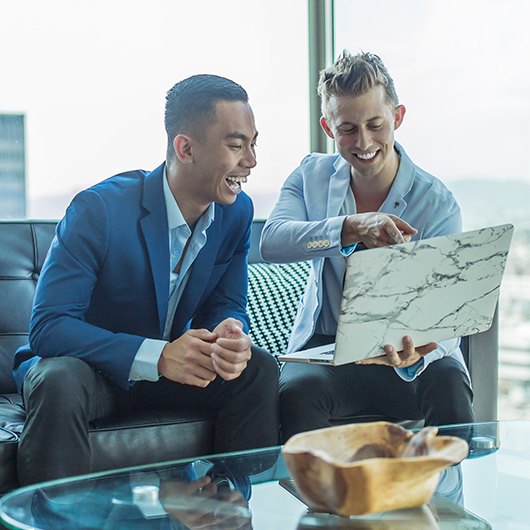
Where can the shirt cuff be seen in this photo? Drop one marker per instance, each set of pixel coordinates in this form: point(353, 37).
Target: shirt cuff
point(145, 364)
point(411, 372)
point(346, 251)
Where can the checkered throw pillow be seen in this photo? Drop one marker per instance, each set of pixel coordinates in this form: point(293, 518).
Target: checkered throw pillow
point(273, 296)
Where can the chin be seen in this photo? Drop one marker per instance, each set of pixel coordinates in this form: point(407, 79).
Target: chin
point(227, 200)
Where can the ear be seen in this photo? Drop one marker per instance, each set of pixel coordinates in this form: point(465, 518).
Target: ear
point(398, 116)
point(182, 145)
point(326, 128)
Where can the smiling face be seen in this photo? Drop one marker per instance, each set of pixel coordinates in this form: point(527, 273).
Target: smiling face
point(218, 160)
point(363, 128)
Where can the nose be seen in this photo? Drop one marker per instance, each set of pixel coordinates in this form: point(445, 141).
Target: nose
point(364, 140)
point(249, 160)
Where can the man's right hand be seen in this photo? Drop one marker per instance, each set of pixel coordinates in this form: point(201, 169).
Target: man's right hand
point(375, 229)
point(187, 360)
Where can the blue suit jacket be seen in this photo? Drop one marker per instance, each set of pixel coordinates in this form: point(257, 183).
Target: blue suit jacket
point(104, 286)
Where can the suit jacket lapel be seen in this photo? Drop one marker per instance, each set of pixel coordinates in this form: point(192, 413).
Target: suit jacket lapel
point(338, 186)
point(155, 230)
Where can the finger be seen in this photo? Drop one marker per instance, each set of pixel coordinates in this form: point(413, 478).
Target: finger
point(402, 225)
point(392, 355)
point(427, 348)
point(229, 357)
point(240, 344)
point(228, 371)
point(204, 372)
point(202, 334)
point(199, 352)
point(229, 328)
point(235, 326)
point(408, 348)
point(379, 359)
point(234, 332)
point(196, 375)
point(200, 382)
point(395, 236)
point(229, 364)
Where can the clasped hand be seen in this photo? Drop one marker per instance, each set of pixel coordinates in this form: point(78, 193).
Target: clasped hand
point(408, 356)
point(198, 356)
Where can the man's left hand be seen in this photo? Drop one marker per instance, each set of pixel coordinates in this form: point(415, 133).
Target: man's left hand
point(231, 351)
point(408, 356)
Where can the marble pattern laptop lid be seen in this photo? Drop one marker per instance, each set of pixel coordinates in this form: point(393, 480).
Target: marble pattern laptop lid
point(433, 289)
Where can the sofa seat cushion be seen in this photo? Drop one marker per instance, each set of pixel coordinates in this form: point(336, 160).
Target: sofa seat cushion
point(119, 441)
point(147, 438)
point(12, 413)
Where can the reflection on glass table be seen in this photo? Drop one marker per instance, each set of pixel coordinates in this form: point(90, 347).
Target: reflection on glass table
point(251, 489)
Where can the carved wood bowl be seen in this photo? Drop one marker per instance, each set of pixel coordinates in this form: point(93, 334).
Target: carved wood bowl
point(369, 467)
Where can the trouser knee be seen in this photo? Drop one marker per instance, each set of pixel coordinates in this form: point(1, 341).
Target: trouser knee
point(262, 371)
point(56, 376)
point(298, 384)
point(58, 385)
point(445, 395)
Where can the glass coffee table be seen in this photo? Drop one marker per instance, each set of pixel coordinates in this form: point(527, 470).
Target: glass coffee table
point(251, 490)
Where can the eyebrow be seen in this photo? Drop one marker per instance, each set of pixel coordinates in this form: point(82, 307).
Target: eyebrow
point(239, 136)
point(351, 123)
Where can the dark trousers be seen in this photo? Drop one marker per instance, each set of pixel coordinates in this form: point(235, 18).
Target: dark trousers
point(62, 395)
point(312, 395)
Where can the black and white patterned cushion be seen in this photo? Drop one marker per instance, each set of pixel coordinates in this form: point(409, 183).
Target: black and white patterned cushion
point(273, 296)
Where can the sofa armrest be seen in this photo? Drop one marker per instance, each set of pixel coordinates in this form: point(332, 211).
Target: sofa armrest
point(481, 352)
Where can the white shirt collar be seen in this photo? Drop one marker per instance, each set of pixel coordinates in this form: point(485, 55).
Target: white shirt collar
point(174, 215)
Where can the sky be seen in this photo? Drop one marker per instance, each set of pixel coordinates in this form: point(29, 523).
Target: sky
point(91, 79)
point(461, 68)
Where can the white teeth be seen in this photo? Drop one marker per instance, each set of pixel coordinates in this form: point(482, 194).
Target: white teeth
point(237, 180)
point(367, 156)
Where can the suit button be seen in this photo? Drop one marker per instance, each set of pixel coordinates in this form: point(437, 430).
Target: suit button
point(310, 244)
point(326, 243)
point(320, 244)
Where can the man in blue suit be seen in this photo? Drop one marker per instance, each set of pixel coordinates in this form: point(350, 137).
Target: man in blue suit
point(141, 303)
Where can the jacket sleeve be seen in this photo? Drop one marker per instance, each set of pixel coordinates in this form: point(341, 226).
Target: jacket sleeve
point(290, 234)
point(64, 290)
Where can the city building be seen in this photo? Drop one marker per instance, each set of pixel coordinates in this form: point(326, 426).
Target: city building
point(12, 167)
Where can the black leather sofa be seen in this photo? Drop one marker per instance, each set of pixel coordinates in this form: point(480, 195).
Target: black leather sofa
point(137, 439)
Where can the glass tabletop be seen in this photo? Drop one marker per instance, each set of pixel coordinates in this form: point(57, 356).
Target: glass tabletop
point(252, 490)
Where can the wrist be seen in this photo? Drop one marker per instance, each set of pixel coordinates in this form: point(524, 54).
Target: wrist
point(349, 233)
point(161, 364)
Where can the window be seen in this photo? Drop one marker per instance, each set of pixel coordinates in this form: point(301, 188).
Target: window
point(91, 78)
point(460, 68)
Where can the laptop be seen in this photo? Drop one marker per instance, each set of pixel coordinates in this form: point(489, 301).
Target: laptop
point(434, 289)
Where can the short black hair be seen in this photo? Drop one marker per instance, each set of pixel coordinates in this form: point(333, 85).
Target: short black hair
point(190, 104)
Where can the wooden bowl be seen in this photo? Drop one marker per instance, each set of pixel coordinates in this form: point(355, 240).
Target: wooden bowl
point(369, 467)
